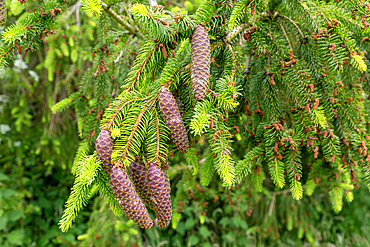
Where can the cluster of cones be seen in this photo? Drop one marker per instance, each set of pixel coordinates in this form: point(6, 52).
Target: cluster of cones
point(141, 185)
point(148, 185)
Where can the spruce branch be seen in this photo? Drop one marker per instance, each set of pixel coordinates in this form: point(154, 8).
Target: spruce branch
point(233, 71)
point(118, 110)
point(121, 21)
point(294, 24)
point(235, 32)
point(158, 135)
point(286, 36)
point(247, 65)
point(229, 37)
point(130, 138)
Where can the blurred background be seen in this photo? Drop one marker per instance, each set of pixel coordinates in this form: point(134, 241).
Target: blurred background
point(37, 149)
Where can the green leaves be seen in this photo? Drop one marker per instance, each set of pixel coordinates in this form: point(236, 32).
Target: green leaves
point(204, 12)
point(87, 171)
point(153, 20)
point(92, 7)
point(191, 158)
point(336, 198)
point(206, 170)
point(13, 33)
point(65, 103)
point(276, 169)
point(201, 117)
point(224, 166)
point(244, 167)
point(358, 62)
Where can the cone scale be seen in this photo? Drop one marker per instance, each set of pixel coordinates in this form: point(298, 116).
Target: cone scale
point(172, 118)
point(104, 148)
point(128, 199)
point(160, 192)
point(3, 13)
point(200, 62)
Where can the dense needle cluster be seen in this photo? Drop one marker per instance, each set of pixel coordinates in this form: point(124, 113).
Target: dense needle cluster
point(288, 106)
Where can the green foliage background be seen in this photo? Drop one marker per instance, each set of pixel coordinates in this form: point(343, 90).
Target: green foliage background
point(37, 149)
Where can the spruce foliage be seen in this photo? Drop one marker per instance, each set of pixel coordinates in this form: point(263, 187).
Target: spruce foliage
point(287, 83)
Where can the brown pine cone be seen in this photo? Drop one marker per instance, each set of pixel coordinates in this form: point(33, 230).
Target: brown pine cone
point(128, 199)
point(200, 62)
point(172, 118)
point(160, 191)
point(139, 177)
point(104, 148)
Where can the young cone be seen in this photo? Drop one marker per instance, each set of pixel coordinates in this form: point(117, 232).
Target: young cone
point(139, 176)
point(172, 118)
point(104, 148)
point(160, 192)
point(3, 13)
point(200, 62)
point(128, 199)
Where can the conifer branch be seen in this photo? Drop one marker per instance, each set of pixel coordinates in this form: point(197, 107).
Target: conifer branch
point(295, 24)
point(229, 37)
point(129, 140)
point(233, 61)
point(286, 36)
point(121, 21)
point(235, 32)
point(119, 110)
point(158, 136)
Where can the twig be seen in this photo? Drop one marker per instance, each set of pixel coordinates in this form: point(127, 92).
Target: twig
point(153, 3)
point(234, 61)
point(281, 25)
point(247, 66)
point(118, 57)
point(295, 24)
point(76, 6)
point(272, 203)
point(229, 37)
point(235, 32)
point(121, 21)
point(176, 4)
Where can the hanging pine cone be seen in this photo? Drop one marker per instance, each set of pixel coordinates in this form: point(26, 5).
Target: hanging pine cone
point(3, 13)
point(139, 177)
point(104, 148)
point(128, 199)
point(160, 192)
point(172, 118)
point(200, 62)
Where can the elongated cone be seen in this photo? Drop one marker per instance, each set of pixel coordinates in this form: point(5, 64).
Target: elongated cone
point(200, 62)
point(139, 176)
point(128, 199)
point(104, 148)
point(172, 118)
point(160, 191)
point(3, 13)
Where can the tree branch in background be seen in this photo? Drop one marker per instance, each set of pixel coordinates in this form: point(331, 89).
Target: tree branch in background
point(121, 21)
